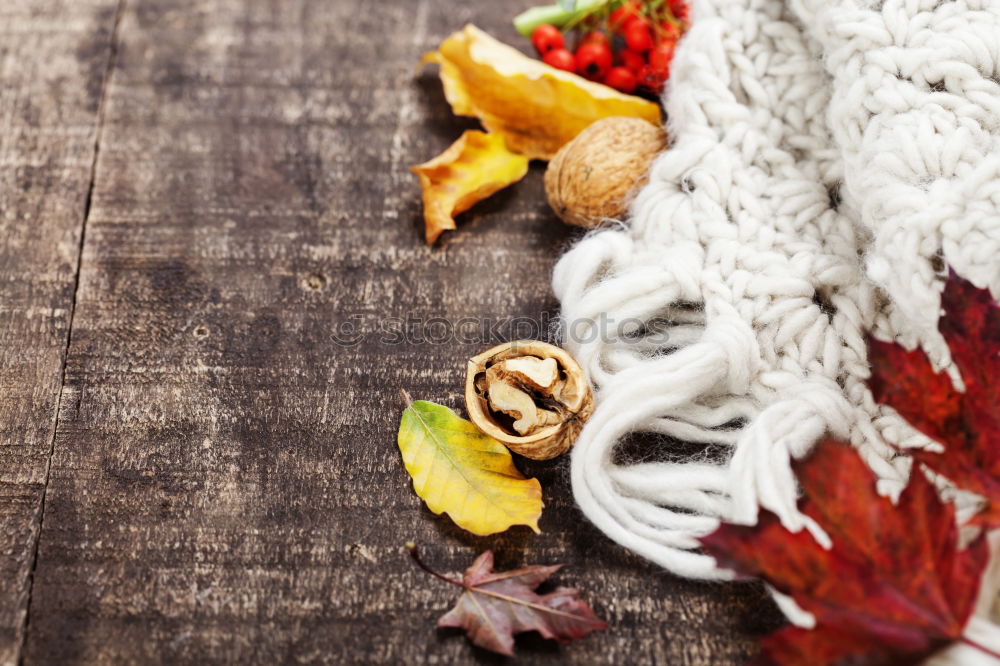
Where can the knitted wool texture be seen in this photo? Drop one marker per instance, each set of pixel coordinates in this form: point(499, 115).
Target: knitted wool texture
point(828, 159)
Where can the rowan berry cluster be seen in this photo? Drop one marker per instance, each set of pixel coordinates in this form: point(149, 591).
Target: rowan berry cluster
point(628, 48)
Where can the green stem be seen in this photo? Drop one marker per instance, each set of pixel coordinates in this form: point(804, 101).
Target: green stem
point(527, 21)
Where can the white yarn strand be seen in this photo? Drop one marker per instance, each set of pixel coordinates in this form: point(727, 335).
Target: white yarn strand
point(827, 155)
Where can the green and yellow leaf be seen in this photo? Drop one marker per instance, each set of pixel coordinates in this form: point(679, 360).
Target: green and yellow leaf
point(458, 470)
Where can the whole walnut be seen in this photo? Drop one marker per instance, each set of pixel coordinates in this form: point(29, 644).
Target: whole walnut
point(590, 179)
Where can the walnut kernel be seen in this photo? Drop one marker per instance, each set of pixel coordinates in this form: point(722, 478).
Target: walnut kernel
point(530, 395)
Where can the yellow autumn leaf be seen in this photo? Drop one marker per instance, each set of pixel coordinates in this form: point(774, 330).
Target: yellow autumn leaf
point(458, 470)
point(537, 108)
point(471, 169)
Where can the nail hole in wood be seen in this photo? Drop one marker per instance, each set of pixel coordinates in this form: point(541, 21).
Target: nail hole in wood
point(314, 282)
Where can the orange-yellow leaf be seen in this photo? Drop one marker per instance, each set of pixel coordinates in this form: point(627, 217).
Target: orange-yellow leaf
point(535, 107)
point(471, 169)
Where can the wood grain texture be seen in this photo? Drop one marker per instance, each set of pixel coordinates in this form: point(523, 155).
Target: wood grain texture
point(225, 484)
point(53, 59)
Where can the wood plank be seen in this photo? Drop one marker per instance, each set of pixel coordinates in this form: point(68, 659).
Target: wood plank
point(53, 59)
point(225, 484)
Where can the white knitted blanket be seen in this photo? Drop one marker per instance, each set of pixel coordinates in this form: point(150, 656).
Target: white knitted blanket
point(829, 159)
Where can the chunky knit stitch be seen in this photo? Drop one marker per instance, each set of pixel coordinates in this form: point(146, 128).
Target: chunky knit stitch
point(830, 158)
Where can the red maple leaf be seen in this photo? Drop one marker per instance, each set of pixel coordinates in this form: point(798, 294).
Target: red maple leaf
point(495, 606)
point(966, 423)
point(893, 588)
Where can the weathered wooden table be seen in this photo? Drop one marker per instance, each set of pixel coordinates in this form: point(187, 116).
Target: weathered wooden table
point(206, 216)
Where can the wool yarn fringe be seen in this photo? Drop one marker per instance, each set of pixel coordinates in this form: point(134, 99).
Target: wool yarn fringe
point(829, 160)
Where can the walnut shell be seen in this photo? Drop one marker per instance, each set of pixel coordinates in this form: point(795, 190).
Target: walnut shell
point(591, 177)
point(530, 395)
